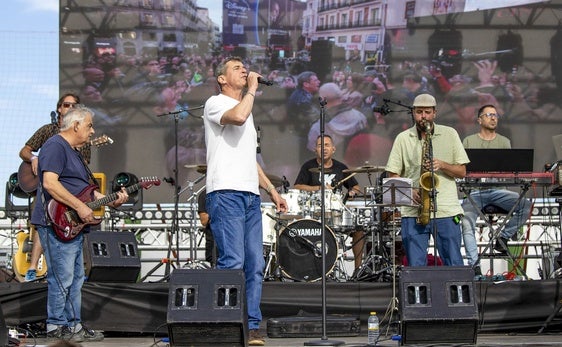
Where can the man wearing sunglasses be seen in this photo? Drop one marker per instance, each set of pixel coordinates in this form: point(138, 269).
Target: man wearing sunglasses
point(487, 137)
point(28, 154)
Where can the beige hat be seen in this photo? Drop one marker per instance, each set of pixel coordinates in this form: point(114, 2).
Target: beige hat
point(424, 100)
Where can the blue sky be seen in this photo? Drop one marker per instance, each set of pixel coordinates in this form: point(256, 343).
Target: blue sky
point(29, 70)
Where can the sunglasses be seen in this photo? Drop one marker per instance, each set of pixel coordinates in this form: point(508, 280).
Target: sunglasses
point(68, 104)
point(490, 115)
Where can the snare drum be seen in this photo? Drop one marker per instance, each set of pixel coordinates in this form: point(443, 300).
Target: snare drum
point(333, 201)
point(343, 221)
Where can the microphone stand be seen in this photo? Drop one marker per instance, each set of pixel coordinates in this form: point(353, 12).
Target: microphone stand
point(175, 221)
point(324, 339)
point(385, 110)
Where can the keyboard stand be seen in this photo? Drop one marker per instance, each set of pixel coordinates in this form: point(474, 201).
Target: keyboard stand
point(495, 231)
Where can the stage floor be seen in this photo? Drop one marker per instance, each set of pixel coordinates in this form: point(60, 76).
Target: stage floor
point(551, 339)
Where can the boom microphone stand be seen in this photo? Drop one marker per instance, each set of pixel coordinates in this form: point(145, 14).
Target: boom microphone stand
point(324, 340)
point(175, 221)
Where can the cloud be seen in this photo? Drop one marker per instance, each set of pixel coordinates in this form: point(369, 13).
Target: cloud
point(40, 5)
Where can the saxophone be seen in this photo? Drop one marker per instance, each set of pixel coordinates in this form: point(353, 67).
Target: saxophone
point(426, 181)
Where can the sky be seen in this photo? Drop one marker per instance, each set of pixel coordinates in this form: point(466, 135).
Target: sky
point(29, 70)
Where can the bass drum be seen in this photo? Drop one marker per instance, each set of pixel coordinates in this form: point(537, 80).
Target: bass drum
point(299, 250)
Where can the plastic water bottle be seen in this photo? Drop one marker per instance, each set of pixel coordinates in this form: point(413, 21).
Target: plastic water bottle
point(373, 329)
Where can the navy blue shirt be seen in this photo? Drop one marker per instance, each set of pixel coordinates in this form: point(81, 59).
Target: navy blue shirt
point(59, 157)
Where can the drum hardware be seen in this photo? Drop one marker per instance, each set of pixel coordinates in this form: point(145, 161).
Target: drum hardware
point(272, 271)
point(318, 169)
point(200, 168)
point(365, 169)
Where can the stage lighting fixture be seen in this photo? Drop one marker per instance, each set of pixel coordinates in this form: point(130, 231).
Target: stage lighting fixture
point(15, 195)
point(127, 179)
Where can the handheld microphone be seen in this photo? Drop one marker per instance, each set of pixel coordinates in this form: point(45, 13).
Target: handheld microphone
point(323, 101)
point(53, 117)
point(258, 148)
point(262, 80)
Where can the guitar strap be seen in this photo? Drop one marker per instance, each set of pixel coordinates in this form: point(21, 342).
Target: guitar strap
point(90, 174)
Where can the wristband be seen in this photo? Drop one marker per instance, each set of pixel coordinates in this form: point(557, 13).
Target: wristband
point(269, 188)
point(252, 94)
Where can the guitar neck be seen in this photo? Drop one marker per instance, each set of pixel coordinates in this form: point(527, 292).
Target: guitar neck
point(111, 197)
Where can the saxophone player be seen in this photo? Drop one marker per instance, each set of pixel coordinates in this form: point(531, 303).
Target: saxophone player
point(410, 157)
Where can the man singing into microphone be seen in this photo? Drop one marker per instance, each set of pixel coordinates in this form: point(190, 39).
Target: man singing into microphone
point(449, 162)
point(233, 181)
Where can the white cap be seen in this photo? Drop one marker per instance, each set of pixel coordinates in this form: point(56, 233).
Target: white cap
point(424, 100)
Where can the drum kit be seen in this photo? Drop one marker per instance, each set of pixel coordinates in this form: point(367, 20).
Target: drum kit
point(292, 240)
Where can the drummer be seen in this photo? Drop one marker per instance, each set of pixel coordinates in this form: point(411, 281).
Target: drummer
point(334, 178)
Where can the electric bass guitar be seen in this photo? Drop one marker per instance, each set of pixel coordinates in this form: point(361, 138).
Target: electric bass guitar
point(22, 259)
point(66, 222)
point(28, 182)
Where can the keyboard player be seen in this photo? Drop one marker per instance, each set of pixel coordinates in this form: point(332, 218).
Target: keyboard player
point(487, 137)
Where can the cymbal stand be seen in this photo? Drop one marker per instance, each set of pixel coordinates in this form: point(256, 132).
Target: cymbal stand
point(193, 262)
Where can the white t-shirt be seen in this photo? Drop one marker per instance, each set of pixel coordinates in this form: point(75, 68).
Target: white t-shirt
point(231, 149)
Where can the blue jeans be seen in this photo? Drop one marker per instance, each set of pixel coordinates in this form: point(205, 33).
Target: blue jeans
point(237, 228)
point(504, 199)
point(415, 239)
point(64, 278)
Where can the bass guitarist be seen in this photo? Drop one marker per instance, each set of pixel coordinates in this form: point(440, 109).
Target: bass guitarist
point(63, 176)
point(27, 178)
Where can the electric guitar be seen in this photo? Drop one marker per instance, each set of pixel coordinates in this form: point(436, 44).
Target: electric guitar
point(22, 259)
point(66, 222)
point(28, 182)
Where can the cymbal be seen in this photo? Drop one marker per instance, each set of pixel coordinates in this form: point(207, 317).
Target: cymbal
point(365, 169)
point(317, 170)
point(201, 168)
point(275, 180)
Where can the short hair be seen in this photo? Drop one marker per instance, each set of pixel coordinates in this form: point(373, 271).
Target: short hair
point(330, 91)
point(76, 114)
point(326, 136)
point(221, 67)
point(304, 77)
point(481, 109)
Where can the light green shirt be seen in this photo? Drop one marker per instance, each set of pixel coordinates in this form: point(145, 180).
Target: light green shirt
point(405, 160)
point(475, 141)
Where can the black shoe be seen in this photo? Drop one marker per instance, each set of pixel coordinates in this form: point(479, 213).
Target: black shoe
point(501, 246)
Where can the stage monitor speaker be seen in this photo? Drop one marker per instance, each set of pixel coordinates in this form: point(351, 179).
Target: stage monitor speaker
point(438, 305)
point(111, 256)
point(207, 308)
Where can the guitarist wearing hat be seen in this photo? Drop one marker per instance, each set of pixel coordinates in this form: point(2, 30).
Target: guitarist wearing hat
point(28, 180)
